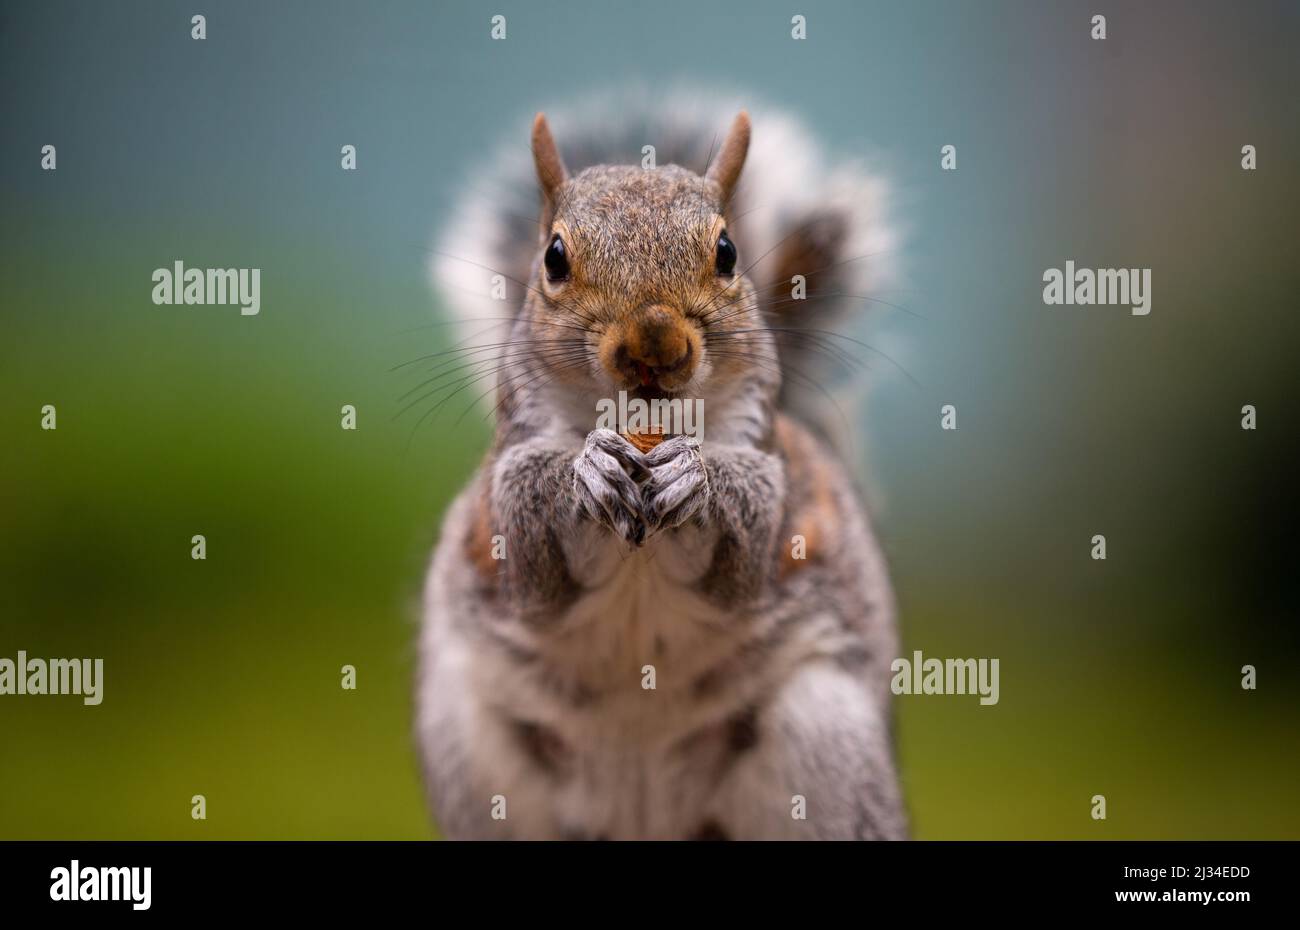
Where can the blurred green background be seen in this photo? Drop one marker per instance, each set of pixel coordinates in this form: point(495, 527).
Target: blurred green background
point(1119, 677)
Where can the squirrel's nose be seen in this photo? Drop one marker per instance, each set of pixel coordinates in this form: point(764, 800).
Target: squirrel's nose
point(654, 365)
point(655, 348)
point(654, 345)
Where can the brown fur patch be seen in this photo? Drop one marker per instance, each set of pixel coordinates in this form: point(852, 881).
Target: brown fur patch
point(814, 514)
point(812, 250)
point(478, 541)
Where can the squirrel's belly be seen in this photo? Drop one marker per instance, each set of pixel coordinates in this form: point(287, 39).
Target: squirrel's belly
point(644, 750)
point(641, 621)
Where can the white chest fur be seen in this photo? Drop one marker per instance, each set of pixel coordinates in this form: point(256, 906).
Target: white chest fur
point(639, 623)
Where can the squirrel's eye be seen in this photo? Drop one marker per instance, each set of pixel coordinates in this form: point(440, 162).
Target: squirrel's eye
point(726, 261)
point(556, 260)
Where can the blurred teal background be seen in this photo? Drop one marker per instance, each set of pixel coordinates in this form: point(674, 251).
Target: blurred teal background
point(1119, 677)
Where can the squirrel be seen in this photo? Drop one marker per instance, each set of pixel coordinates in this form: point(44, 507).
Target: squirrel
point(687, 642)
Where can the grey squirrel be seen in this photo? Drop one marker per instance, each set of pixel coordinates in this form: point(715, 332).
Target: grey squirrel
point(691, 640)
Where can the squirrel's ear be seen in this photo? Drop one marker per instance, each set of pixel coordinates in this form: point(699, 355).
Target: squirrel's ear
point(550, 167)
point(725, 169)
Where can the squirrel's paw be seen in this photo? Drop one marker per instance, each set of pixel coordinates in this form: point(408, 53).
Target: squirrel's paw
point(605, 476)
point(678, 486)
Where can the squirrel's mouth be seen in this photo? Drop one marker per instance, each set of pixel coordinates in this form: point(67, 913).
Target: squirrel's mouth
point(652, 391)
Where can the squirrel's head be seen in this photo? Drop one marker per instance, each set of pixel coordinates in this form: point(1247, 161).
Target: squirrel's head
point(641, 260)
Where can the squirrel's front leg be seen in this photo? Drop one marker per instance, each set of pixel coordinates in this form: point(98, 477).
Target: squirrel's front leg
point(542, 494)
point(605, 484)
point(677, 486)
point(736, 491)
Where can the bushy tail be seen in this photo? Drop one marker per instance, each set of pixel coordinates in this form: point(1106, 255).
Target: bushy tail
point(812, 233)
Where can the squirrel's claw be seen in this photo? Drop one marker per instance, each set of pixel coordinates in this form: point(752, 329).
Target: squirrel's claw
point(604, 483)
point(678, 486)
